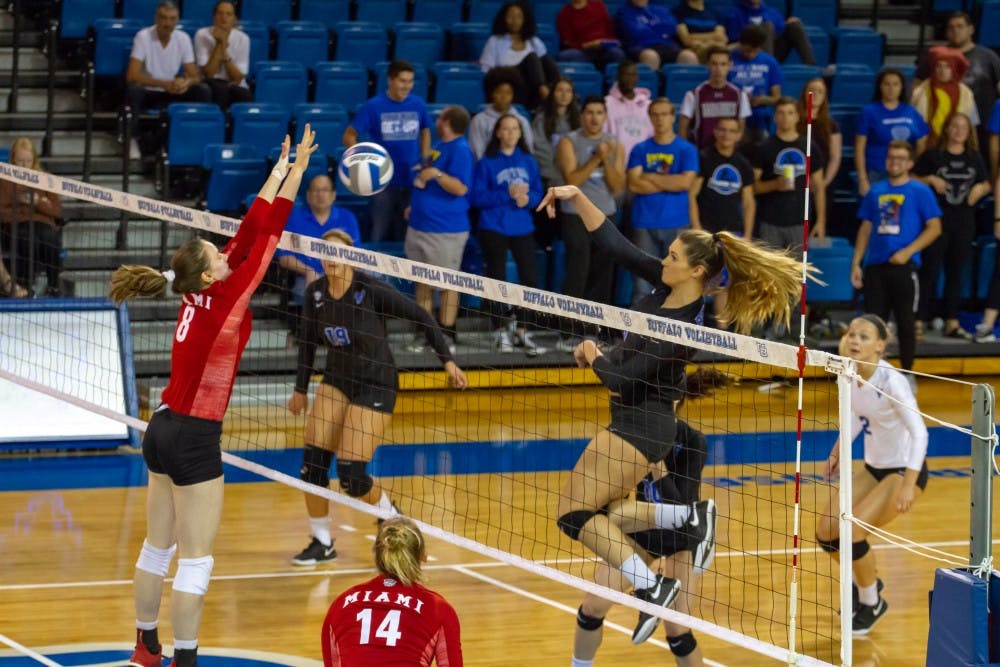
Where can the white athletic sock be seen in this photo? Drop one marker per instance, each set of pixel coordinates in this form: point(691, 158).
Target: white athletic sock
point(868, 595)
point(385, 503)
point(145, 625)
point(321, 529)
point(636, 571)
point(581, 663)
point(188, 644)
point(671, 516)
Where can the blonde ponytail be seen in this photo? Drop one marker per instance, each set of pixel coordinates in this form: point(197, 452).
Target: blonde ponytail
point(187, 267)
point(399, 550)
point(131, 280)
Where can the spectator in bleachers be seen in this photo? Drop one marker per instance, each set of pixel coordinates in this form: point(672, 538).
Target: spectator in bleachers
point(825, 131)
point(899, 218)
point(628, 108)
point(781, 35)
point(779, 167)
point(223, 54)
point(888, 118)
point(661, 170)
point(711, 100)
point(698, 28)
point(30, 220)
point(943, 93)
point(313, 220)
point(648, 33)
point(398, 120)
point(159, 54)
point(8, 286)
point(499, 85)
point(439, 215)
point(514, 42)
point(983, 74)
point(957, 174)
point(587, 34)
point(506, 190)
point(593, 160)
point(994, 141)
point(558, 116)
point(985, 329)
point(758, 74)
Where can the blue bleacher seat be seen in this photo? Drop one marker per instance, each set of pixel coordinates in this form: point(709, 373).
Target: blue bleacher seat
point(191, 127)
point(268, 12)
point(419, 43)
point(189, 27)
point(4, 154)
point(303, 42)
point(113, 45)
point(443, 12)
point(319, 165)
point(814, 12)
point(648, 78)
point(327, 12)
point(78, 15)
point(847, 118)
point(550, 38)
point(343, 82)
point(586, 79)
point(281, 82)
point(234, 173)
point(820, 40)
point(720, 8)
point(468, 40)
point(362, 41)
point(859, 45)
point(909, 70)
point(458, 83)
point(834, 261)
point(484, 11)
point(986, 266)
point(327, 120)
point(545, 11)
point(260, 42)
point(853, 85)
point(385, 12)
point(144, 10)
point(434, 109)
point(681, 78)
point(421, 85)
point(795, 78)
point(259, 124)
point(987, 34)
point(198, 12)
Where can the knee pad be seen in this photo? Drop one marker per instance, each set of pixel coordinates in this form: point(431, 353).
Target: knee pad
point(155, 561)
point(682, 645)
point(316, 466)
point(354, 478)
point(829, 546)
point(859, 549)
point(193, 575)
point(573, 522)
point(589, 623)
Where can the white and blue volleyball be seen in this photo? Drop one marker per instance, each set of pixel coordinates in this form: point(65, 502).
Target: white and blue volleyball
point(365, 168)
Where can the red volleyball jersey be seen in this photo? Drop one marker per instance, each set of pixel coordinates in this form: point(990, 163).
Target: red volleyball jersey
point(213, 325)
point(383, 622)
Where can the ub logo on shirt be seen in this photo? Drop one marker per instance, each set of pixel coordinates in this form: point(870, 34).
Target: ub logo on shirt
point(725, 180)
point(888, 213)
point(400, 126)
point(513, 175)
point(792, 156)
point(659, 163)
point(337, 336)
point(359, 296)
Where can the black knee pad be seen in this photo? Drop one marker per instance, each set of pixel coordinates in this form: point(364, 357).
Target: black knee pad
point(829, 546)
point(316, 466)
point(573, 522)
point(354, 478)
point(589, 623)
point(859, 549)
point(682, 645)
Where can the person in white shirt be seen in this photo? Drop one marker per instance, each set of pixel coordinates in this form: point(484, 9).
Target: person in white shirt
point(895, 470)
point(161, 69)
point(222, 52)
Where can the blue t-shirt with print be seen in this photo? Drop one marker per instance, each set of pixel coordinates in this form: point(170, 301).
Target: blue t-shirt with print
point(396, 126)
point(882, 126)
point(301, 221)
point(432, 208)
point(662, 210)
point(898, 214)
point(755, 77)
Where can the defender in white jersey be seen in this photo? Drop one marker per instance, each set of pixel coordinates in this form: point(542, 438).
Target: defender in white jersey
point(895, 470)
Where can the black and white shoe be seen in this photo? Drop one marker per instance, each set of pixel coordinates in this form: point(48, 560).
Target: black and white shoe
point(700, 526)
point(867, 616)
point(856, 594)
point(662, 594)
point(315, 553)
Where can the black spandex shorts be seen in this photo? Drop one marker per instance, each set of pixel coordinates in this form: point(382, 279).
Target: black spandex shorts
point(650, 427)
point(187, 449)
point(881, 473)
point(661, 543)
point(376, 397)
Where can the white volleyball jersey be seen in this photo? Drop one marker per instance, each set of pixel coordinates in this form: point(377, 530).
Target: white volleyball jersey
point(894, 435)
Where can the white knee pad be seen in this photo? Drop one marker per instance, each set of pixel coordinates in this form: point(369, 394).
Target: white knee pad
point(193, 574)
point(155, 561)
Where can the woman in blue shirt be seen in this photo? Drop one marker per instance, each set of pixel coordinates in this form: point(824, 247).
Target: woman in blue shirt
point(506, 189)
point(882, 121)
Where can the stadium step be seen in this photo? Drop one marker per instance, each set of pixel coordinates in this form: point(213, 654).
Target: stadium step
point(36, 100)
point(28, 58)
point(153, 337)
point(101, 235)
point(64, 143)
point(104, 121)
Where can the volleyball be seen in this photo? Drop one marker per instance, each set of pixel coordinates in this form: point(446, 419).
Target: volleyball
point(365, 168)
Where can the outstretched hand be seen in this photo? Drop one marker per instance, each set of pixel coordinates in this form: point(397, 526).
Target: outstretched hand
point(552, 194)
point(282, 164)
point(305, 148)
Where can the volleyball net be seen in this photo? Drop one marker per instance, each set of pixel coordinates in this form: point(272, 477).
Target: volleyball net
point(482, 468)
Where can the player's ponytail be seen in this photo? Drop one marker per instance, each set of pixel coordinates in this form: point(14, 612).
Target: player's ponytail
point(187, 267)
point(399, 550)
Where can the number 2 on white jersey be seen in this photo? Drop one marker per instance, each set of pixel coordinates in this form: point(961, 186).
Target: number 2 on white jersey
point(185, 324)
point(388, 629)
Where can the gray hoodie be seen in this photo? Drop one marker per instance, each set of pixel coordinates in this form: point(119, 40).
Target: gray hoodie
point(481, 129)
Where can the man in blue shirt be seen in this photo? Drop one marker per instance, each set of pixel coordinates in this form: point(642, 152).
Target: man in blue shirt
point(649, 35)
point(758, 74)
point(399, 122)
point(661, 170)
point(439, 215)
point(899, 218)
point(782, 35)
